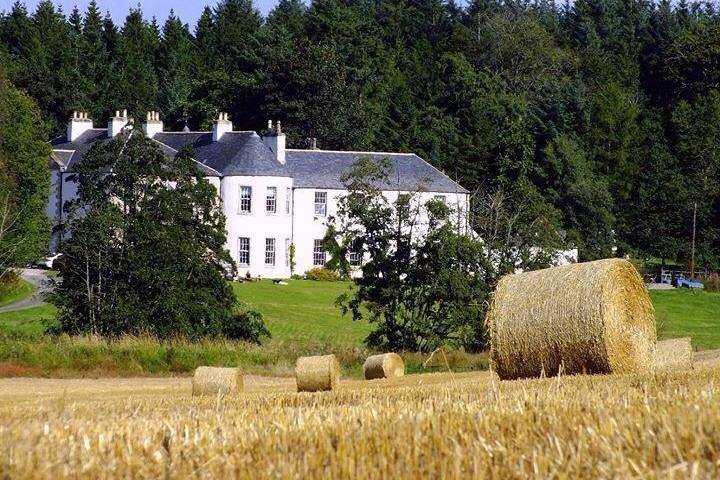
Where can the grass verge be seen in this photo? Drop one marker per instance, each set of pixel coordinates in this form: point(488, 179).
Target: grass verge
point(15, 293)
point(66, 356)
point(303, 320)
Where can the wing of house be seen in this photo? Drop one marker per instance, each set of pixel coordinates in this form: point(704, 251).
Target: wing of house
point(272, 196)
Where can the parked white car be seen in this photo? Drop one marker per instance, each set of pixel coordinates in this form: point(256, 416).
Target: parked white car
point(49, 261)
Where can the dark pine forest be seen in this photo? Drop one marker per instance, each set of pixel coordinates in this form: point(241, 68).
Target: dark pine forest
point(601, 116)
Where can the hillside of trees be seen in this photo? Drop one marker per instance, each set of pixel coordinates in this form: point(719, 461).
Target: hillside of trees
point(603, 116)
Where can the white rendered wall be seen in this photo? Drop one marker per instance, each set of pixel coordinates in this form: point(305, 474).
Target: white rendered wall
point(258, 224)
point(307, 227)
point(54, 206)
point(301, 227)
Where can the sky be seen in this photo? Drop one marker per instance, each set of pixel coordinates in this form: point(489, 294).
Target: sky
point(187, 10)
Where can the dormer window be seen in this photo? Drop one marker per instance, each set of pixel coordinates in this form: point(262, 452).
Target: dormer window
point(271, 200)
point(321, 203)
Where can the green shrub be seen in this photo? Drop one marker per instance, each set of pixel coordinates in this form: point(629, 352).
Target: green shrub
point(245, 324)
point(322, 275)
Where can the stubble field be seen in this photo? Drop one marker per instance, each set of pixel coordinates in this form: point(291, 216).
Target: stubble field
point(434, 426)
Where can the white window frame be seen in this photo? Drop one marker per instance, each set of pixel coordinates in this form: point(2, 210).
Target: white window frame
point(354, 258)
point(320, 204)
point(245, 201)
point(270, 252)
point(441, 198)
point(271, 200)
point(243, 252)
point(288, 200)
point(319, 254)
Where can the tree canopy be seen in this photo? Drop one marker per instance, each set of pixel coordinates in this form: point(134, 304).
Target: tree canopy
point(146, 252)
point(24, 180)
point(600, 113)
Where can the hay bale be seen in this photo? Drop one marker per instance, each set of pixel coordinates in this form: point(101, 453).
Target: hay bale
point(674, 355)
point(385, 365)
point(315, 374)
point(214, 381)
point(593, 317)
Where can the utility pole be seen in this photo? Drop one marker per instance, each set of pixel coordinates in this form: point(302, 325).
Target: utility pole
point(692, 258)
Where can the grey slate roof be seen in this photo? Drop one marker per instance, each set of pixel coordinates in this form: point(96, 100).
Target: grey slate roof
point(79, 147)
point(66, 154)
point(236, 153)
point(323, 169)
point(244, 154)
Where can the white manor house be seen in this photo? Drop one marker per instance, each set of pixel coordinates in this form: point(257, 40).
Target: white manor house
point(272, 196)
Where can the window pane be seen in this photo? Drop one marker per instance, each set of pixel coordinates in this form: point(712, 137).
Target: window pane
point(354, 258)
point(244, 251)
point(271, 199)
point(441, 198)
point(269, 251)
point(245, 199)
point(319, 253)
point(320, 203)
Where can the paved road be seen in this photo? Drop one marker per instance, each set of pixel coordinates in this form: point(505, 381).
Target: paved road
point(39, 279)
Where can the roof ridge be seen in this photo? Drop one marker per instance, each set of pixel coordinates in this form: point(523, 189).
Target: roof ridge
point(208, 131)
point(349, 151)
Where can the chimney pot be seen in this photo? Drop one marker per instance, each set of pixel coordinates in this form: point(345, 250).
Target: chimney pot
point(222, 126)
point(117, 123)
point(275, 141)
point(153, 125)
point(78, 124)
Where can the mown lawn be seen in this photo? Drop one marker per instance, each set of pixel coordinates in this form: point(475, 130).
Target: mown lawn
point(685, 313)
point(304, 311)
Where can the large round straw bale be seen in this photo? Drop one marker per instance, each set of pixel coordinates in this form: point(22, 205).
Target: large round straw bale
point(385, 365)
point(674, 354)
point(593, 317)
point(214, 381)
point(314, 374)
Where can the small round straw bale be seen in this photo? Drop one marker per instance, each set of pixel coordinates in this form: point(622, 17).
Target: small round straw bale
point(386, 365)
point(214, 381)
point(315, 374)
point(673, 355)
point(593, 317)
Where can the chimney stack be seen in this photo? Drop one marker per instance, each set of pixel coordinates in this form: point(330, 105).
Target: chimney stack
point(78, 124)
point(221, 127)
point(153, 124)
point(275, 141)
point(117, 123)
